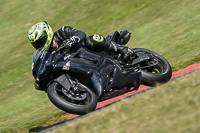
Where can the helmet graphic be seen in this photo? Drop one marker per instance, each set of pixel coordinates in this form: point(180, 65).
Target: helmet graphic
point(40, 35)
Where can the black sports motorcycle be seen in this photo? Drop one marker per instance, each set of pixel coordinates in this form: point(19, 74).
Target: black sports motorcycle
point(76, 81)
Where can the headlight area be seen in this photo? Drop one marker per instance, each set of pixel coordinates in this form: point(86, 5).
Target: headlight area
point(36, 85)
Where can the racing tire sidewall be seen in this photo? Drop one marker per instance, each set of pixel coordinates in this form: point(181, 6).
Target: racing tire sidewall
point(71, 107)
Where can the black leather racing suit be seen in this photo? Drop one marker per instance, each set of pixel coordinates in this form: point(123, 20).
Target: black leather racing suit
point(76, 36)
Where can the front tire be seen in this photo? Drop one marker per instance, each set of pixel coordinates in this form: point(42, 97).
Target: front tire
point(65, 103)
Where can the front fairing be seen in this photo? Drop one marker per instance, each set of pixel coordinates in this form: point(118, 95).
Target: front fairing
point(40, 60)
point(92, 65)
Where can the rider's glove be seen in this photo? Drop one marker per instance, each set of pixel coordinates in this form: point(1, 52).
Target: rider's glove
point(68, 43)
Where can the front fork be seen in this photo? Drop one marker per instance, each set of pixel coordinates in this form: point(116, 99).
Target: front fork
point(70, 89)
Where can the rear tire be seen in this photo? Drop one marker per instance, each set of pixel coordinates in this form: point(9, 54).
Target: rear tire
point(60, 100)
point(163, 71)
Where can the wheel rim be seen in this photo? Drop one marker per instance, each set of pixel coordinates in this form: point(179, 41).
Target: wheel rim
point(82, 98)
point(154, 65)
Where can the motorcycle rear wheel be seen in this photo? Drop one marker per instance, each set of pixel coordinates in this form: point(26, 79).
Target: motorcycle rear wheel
point(160, 73)
point(61, 100)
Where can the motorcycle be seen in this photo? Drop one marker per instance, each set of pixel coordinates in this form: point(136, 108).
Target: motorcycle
point(76, 81)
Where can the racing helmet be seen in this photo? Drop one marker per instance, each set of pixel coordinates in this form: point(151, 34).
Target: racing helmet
point(40, 35)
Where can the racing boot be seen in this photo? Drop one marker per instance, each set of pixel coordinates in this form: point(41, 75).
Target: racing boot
point(120, 37)
point(126, 52)
point(124, 37)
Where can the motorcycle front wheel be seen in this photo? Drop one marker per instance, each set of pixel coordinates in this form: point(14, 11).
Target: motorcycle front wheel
point(80, 102)
point(154, 71)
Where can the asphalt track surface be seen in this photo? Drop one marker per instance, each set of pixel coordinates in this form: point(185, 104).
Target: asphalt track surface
point(108, 102)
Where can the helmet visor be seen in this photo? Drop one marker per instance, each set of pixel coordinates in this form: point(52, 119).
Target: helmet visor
point(41, 41)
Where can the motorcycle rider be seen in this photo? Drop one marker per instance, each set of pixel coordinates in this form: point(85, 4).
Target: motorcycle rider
point(42, 36)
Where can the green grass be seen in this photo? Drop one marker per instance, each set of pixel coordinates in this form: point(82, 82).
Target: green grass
point(169, 27)
point(170, 108)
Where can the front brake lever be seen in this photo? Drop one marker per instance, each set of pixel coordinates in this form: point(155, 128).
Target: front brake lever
point(60, 48)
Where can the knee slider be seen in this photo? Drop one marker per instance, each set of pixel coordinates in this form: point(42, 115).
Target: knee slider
point(95, 42)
